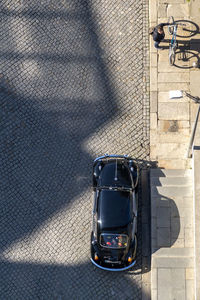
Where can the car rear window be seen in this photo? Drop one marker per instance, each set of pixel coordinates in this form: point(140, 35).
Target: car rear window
point(113, 240)
point(114, 209)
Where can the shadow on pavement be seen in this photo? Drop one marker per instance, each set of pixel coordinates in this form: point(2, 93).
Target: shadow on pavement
point(165, 217)
point(49, 105)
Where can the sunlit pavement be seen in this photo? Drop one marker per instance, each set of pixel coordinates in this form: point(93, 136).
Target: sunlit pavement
point(73, 85)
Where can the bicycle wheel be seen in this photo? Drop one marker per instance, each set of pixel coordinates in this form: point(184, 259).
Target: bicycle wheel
point(171, 22)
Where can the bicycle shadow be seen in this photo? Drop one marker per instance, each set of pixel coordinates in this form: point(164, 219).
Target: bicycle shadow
point(187, 53)
point(190, 29)
point(188, 50)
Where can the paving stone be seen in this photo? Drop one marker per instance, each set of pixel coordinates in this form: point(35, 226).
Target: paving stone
point(189, 237)
point(171, 181)
point(170, 172)
point(189, 273)
point(164, 284)
point(174, 252)
point(154, 278)
point(154, 294)
point(178, 10)
point(163, 237)
point(177, 243)
point(173, 111)
point(172, 1)
point(173, 126)
point(173, 138)
point(165, 262)
point(164, 66)
point(168, 86)
point(163, 216)
point(74, 84)
point(172, 150)
point(153, 10)
point(188, 217)
point(177, 227)
point(173, 77)
point(190, 292)
point(162, 10)
point(172, 163)
point(153, 137)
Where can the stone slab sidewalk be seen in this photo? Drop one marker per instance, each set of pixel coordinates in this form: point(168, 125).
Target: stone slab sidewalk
point(173, 263)
point(172, 119)
point(172, 235)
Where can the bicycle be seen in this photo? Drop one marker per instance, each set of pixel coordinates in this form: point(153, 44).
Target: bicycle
point(172, 29)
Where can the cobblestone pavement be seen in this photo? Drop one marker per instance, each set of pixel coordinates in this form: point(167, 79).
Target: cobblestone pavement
point(73, 85)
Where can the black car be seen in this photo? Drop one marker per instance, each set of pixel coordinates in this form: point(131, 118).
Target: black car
point(113, 237)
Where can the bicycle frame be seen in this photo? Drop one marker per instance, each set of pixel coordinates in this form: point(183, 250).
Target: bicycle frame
point(173, 40)
point(172, 46)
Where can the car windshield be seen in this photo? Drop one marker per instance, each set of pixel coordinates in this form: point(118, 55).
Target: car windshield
point(115, 175)
point(113, 240)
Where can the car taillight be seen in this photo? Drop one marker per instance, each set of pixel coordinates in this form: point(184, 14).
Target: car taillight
point(129, 259)
point(96, 257)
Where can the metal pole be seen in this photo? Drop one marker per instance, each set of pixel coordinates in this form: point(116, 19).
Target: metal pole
point(193, 133)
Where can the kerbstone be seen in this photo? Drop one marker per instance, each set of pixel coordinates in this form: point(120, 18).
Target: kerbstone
point(153, 120)
point(153, 79)
point(153, 10)
point(153, 102)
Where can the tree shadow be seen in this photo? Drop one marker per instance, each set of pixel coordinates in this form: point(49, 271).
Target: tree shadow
point(60, 282)
point(55, 92)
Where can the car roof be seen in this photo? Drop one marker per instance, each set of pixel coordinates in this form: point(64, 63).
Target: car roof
point(114, 211)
